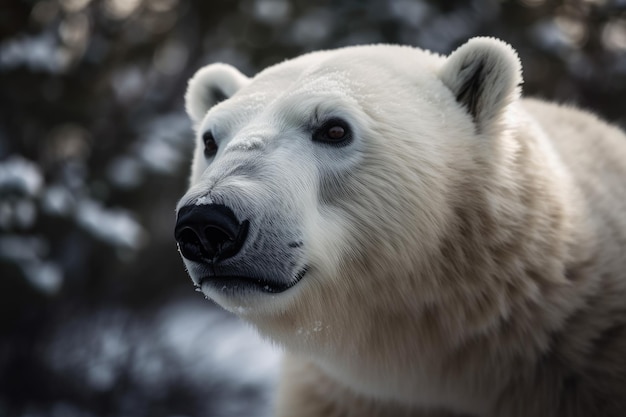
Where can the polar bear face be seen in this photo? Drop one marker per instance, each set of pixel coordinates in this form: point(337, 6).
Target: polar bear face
point(410, 232)
point(322, 189)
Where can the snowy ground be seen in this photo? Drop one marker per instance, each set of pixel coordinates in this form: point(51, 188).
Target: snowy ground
point(221, 361)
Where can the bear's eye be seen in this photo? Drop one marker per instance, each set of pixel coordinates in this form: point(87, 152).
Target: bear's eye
point(210, 146)
point(334, 132)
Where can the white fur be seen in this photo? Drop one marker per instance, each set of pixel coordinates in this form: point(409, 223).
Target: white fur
point(502, 75)
point(465, 250)
point(225, 78)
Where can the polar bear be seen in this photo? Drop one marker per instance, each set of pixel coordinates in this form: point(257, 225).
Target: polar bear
point(419, 239)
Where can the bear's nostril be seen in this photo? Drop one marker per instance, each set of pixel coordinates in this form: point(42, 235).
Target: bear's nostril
point(190, 244)
point(187, 235)
point(209, 233)
point(216, 238)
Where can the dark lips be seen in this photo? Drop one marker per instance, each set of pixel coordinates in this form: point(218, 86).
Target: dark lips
point(244, 283)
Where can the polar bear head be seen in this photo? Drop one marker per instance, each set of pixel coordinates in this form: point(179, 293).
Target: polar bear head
point(340, 188)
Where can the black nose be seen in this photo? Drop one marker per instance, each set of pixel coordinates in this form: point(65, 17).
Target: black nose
point(209, 233)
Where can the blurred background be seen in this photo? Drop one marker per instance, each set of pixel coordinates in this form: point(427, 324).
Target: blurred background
point(97, 315)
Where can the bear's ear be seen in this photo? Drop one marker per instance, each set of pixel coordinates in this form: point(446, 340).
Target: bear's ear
point(209, 86)
point(484, 74)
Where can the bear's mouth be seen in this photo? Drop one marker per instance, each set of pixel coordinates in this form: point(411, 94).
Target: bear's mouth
point(241, 283)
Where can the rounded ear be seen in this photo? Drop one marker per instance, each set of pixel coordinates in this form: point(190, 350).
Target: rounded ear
point(484, 75)
point(209, 86)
